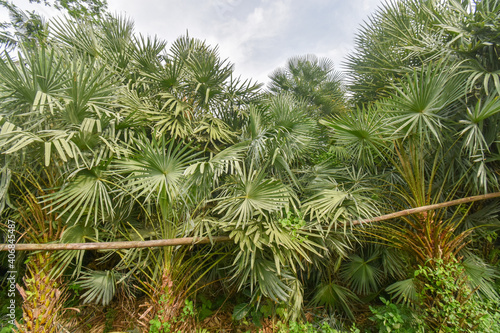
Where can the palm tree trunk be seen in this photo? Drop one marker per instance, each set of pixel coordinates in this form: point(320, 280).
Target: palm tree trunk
point(42, 297)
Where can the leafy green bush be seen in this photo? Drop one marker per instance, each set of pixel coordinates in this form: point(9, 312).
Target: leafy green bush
point(395, 318)
point(300, 327)
point(159, 326)
point(257, 312)
point(449, 305)
point(297, 327)
point(490, 321)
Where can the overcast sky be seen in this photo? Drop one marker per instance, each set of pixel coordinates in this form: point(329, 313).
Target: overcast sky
point(258, 36)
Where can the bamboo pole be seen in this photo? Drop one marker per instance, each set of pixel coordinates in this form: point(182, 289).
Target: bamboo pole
point(115, 245)
point(217, 239)
point(422, 209)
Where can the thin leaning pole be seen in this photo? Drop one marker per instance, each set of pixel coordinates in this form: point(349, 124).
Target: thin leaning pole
point(115, 245)
point(422, 209)
point(218, 239)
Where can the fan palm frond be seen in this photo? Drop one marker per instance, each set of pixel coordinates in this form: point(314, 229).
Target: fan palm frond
point(313, 79)
point(250, 195)
point(264, 276)
point(334, 205)
point(77, 233)
point(364, 133)
point(481, 277)
point(418, 105)
point(156, 170)
point(36, 85)
point(336, 296)
point(86, 196)
point(475, 140)
point(404, 291)
point(364, 275)
point(77, 36)
point(100, 286)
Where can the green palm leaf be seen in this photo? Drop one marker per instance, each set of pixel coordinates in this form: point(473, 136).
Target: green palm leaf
point(100, 285)
point(77, 233)
point(36, 86)
point(87, 196)
point(93, 90)
point(404, 291)
point(294, 132)
point(363, 275)
point(146, 52)
point(250, 195)
point(364, 134)
point(475, 126)
point(336, 297)
point(264, 276)
point(481, 277)
point(77, 36)
point(156, 170)
point(335, 206)
point(312, 79)
point(418, 105)
point(208, 174)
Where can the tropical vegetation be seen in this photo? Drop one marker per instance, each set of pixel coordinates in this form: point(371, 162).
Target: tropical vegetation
point(107, 135)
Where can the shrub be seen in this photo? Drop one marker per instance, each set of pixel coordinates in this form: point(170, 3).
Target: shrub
point(446, 301)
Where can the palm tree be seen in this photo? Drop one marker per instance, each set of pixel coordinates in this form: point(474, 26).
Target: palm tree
point(140, 141)
point(422, 128)
point(402, 36)
point(50, 121)
point(108, 116)
point(312, 79)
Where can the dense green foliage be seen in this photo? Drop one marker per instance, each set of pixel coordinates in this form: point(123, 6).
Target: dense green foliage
point(109, 135)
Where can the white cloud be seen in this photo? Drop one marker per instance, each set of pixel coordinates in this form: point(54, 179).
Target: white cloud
point(256, 35)
point(243, 38)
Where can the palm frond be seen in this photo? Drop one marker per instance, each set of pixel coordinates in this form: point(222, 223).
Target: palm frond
point(335, 296)
point(363, 275)
point(474, 134)
point(75, 35)
point(481, 277)
point(77, 233)
point(87, 196)
point(419, 104)
point(404, 291)
point(250, 195)
point(364, 133)
point(336, 206)
point(264, 277)
point(35, 85)
point(100, 286)
point(156, 171)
